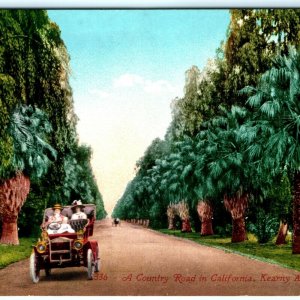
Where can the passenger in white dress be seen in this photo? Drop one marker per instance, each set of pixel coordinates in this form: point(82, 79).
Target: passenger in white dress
point(77, 208)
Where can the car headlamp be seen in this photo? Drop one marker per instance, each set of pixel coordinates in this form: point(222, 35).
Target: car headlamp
point(78, 244)
point(41, 247)
point(80, 234)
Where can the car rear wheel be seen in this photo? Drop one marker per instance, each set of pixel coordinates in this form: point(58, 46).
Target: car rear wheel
point(90, 264)
point(97, 265)
point(34, 268)
point(97, 262)
point(47, 271)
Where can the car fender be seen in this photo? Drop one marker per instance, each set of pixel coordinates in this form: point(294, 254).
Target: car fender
point(93, 245)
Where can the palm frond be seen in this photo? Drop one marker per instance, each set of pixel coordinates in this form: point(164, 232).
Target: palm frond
point(28, 128)
point(270, 108)
point(248, 90)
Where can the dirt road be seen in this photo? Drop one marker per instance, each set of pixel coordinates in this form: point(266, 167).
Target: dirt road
point(138, 261)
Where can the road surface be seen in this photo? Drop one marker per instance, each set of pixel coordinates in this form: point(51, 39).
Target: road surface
point(139, 261)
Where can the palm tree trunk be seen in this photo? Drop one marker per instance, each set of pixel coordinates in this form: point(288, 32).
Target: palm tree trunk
point(282, 233)
point(171, 216)
point(296, 214)
point(171, 223)
point(205, 212)
point(147, 223)
point(9, 231)
point(13, 193)
point(238, 230)
point(206, 227)
point(186, 226)
point(237, 205)
point(182, 210)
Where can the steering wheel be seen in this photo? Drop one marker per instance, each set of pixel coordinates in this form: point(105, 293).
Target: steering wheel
point(54, 225)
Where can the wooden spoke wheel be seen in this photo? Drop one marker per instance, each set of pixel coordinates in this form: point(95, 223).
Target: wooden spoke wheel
point(34, 268)
point(90, 264)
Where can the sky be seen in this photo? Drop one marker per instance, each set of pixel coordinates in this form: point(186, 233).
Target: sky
point(126, 68)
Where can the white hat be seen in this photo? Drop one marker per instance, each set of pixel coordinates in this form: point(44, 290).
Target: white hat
point(77, 203)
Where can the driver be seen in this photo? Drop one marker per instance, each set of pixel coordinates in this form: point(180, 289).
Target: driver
point(56, 217)
point(60, 219)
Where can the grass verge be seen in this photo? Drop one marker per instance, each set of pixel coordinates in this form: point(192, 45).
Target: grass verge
point(269, 252)
point(10, 253)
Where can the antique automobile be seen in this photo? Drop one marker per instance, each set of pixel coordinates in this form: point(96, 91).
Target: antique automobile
point(66, 249)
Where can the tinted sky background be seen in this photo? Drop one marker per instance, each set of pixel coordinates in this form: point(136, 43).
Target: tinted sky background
point(127, 67)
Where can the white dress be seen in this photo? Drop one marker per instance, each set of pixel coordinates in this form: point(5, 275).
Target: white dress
point(64, 226)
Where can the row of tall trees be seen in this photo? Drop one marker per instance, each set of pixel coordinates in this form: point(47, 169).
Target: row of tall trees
point(39, 148)
point(233, 140)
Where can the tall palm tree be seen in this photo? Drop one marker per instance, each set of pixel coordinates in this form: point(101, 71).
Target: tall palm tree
point(181, 177)
point(32, 155)
point(225, 167)
point(275, 131)
point(174, 187)
point(194, 158)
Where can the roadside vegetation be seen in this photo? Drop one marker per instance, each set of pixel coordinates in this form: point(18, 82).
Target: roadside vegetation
point(229, 161)
point(41, 160)
point(267, 252)
point(12, 253)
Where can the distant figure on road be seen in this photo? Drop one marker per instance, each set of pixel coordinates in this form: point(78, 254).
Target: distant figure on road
point(116, 222)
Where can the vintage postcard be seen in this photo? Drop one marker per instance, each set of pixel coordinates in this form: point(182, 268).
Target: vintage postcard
point(149, 151)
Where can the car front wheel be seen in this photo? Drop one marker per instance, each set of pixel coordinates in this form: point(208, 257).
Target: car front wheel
point(90, 264)
point(34, 268)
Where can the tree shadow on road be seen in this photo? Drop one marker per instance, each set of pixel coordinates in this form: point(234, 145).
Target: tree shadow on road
point(65, 275)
